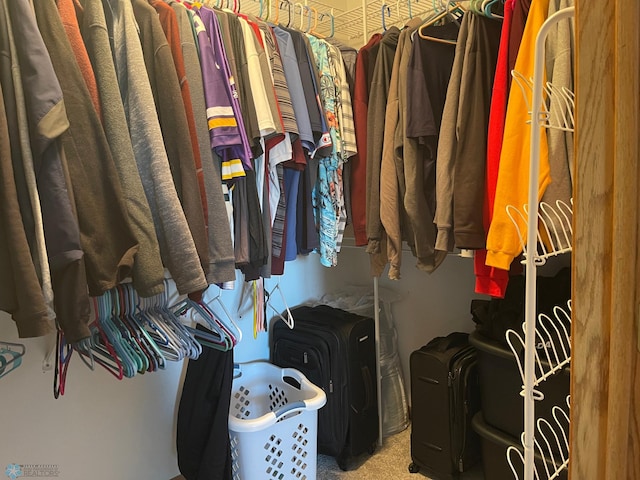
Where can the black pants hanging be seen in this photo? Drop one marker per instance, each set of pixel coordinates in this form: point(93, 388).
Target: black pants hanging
point(204, 452)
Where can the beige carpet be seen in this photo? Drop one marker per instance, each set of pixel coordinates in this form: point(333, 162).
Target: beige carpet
point(389, 462)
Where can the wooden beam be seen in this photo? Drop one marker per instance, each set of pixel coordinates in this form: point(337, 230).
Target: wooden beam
point(623, 351)
point(593, 186)
point(605, 431)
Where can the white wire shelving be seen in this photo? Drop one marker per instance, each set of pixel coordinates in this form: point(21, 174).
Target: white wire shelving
point(548, 233)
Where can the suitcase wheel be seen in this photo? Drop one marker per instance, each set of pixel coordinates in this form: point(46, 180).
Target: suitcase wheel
point(414, 467)
point(372, 448)
point(342, 462)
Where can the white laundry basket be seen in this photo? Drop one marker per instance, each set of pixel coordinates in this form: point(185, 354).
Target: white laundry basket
point(273, 423)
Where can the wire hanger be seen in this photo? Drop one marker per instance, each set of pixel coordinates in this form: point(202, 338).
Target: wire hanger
point(232, 325)
point(289, 318)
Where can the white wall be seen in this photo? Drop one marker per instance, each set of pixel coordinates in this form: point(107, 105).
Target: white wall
point(104, 429)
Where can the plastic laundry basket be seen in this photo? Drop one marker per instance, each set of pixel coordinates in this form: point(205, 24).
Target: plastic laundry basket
point(273, 423)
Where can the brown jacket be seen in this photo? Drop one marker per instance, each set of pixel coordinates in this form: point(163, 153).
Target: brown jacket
point(392, 181)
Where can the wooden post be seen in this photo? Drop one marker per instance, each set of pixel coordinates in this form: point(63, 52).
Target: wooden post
point(605, 412)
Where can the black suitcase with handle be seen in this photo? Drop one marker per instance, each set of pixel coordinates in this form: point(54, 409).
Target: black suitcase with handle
point(445, 395)
point(335, 350)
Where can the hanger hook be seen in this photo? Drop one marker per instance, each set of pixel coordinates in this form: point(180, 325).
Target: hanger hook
point(385, 9)
point(333, 24)
point(308, 10)
point(290, 7)
point(315, 20)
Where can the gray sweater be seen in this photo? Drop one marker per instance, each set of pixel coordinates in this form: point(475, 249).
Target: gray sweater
point(559, 59)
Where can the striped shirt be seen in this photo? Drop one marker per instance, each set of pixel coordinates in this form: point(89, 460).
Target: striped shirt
point(344, 106)
point(279, 81)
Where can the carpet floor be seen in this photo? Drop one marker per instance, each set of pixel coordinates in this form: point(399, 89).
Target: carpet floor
point(389, 462)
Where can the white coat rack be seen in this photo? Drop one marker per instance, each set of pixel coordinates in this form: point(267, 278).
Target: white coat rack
point(553, 238)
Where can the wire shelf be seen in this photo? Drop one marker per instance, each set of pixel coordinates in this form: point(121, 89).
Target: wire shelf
point(551, 445)
point(552, 345)
point(558, 107)
point(555, 229)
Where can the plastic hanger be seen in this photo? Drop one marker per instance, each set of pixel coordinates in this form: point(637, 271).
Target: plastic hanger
point(157, 320)
point(218, 338)
point(447, 13)
point(307, 9)
point(103, 351)
point(301, 14)
point(312, 30)
point(10, 357)
point(333, 24)
point(147, 346)
point(289, 5)
point(134, 350)
point(231, 325)
point(277, 19)
point(486, 9)
point(63, 357)
point(385, 9)
point(129, 361)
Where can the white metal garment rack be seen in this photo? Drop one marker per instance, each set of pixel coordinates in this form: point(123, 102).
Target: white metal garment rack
point(549, 233)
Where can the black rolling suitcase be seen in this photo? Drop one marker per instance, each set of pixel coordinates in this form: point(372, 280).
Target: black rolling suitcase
point(445, 395)
point(335, 350)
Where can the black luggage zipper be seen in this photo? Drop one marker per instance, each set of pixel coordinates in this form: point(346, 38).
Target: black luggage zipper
point(459, 407)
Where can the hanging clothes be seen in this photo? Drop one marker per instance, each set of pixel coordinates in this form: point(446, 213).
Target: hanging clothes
point(148, 271)
point(106, 239)
point(67, 11)
point(559, 69)
point(392, 182)
point(221, 259)
point(177, 247)
point(378, 95)
point(169, 22)
point(430, 66)
point(366, 58)
point(173, 122)
point(22, 155)
point(25, 303)
point(503, 241)
point(490, 280)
